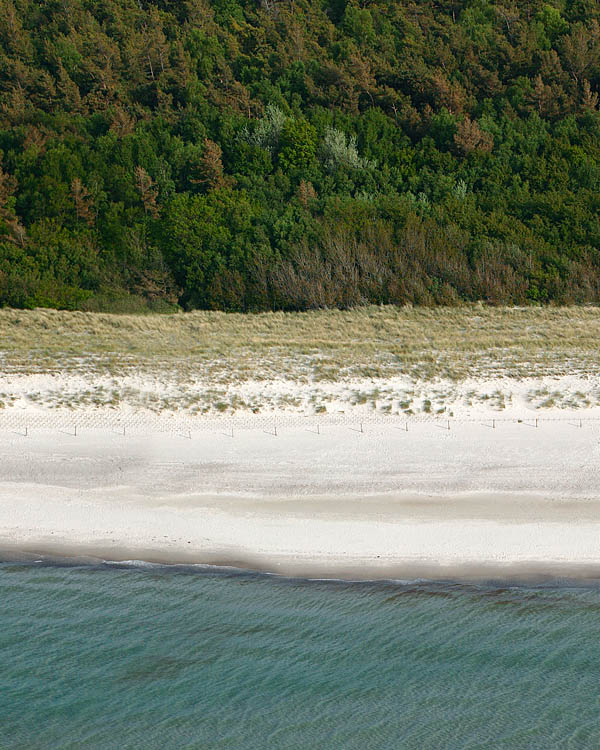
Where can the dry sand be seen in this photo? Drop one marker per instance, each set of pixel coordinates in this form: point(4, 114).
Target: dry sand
point(472, 500)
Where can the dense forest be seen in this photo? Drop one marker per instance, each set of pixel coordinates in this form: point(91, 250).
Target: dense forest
point(293, 154)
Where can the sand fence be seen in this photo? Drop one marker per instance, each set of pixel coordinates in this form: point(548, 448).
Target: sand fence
point(25, 422)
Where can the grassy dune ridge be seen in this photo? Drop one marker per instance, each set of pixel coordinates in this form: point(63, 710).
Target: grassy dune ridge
point(370, 341)
point(382, 359)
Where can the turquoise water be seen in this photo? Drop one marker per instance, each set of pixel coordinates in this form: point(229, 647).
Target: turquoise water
point(158, 657)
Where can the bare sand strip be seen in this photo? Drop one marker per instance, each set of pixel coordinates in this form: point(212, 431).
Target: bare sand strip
point(470, 501)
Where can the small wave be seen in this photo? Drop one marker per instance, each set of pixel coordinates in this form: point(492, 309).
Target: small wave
point(132, 563)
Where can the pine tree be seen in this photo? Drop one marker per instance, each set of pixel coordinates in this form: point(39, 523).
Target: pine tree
point(83, 202)
point(147, 191)
point(210, 169)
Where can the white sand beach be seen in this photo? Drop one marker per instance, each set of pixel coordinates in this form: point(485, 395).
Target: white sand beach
point(487, 496)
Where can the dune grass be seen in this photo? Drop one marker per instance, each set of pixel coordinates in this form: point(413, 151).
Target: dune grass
point(318, 362)
point(322, 345)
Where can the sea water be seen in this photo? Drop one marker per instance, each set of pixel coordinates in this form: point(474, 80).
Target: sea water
point(126, 656)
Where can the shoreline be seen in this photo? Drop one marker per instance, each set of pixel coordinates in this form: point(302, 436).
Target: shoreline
point(524, 573)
